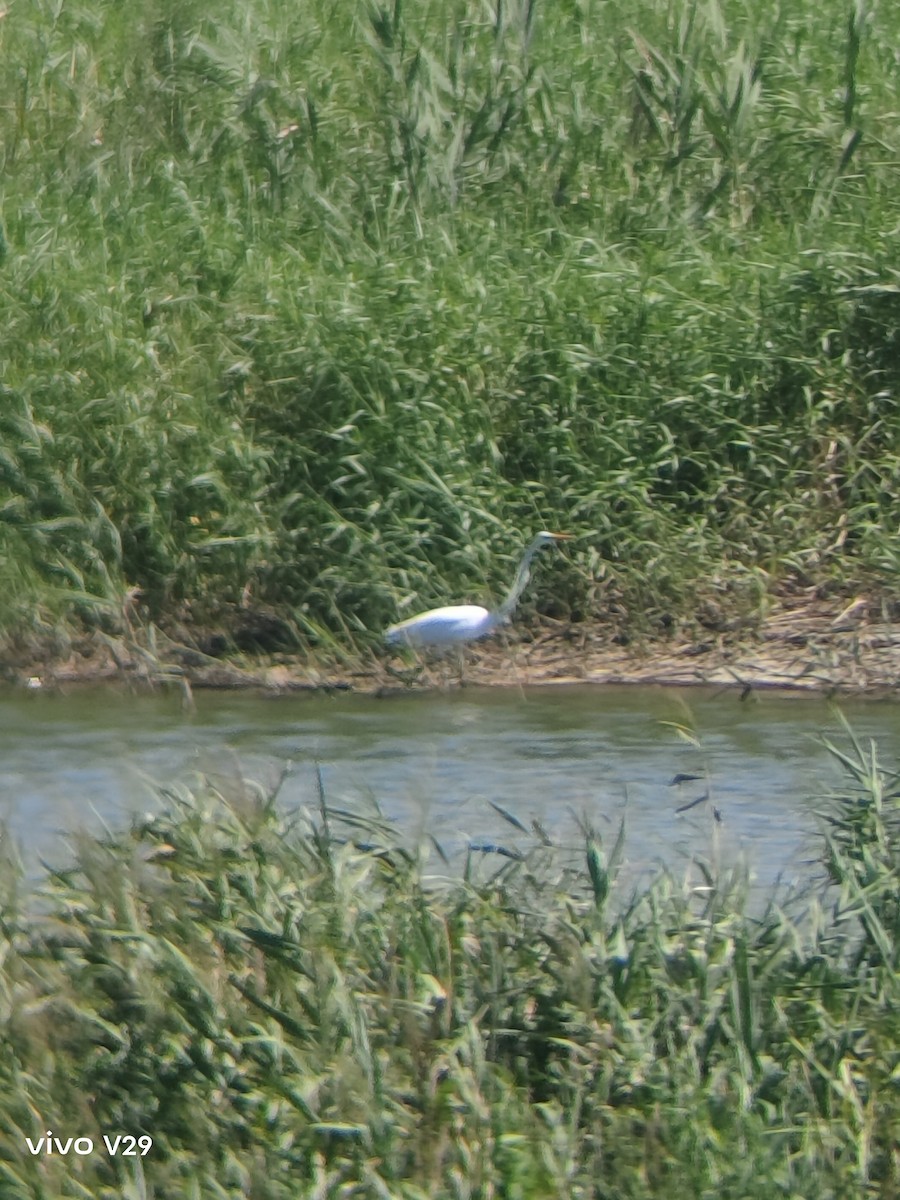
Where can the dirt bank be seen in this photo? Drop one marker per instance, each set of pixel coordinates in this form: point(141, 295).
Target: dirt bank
point(800, 643)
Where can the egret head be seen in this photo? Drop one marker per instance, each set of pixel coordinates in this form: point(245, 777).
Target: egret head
point(545, 537)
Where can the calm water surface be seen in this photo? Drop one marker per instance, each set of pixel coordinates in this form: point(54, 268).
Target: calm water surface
point(435, 762)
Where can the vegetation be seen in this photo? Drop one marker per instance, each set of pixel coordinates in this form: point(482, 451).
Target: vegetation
point(291, 1007)
point(318, 310)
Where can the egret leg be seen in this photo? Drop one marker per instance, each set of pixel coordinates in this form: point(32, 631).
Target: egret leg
point(461, 663)
point(443, 675)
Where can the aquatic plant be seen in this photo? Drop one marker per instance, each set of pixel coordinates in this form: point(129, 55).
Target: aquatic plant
point(296, 1005)
point(307, 311)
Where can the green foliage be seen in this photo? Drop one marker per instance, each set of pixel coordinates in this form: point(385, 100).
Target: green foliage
point(327, 308)
point(291, 1006)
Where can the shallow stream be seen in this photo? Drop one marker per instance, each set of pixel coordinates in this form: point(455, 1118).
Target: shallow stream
point(434, 763)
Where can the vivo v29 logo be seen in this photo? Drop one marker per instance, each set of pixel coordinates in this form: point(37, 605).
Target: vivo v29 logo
point(122, 1143)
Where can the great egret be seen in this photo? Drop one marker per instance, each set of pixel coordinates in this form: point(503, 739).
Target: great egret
point(459, 623)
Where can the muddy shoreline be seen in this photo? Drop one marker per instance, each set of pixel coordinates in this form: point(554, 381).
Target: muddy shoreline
point(805, 646)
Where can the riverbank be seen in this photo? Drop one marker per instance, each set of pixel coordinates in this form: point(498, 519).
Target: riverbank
point(800, 643)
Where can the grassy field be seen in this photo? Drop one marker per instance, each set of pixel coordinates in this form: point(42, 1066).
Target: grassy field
point(277, 1007)
point(314, 311)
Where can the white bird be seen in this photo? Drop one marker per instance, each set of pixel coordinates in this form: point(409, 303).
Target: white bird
point(459, 623)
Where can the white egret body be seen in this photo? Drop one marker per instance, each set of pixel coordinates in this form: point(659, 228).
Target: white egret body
point(459, 623)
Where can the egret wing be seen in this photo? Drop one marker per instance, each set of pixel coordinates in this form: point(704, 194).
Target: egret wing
point(443, 626)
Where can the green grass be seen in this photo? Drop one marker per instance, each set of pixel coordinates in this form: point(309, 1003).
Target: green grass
point(292, 1006)
point(319, 311)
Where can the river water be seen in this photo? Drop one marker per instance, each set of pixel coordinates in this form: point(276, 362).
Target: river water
point(435, 762)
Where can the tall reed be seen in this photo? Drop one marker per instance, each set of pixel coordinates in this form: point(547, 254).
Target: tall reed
point(319, 311)
point(295, 1004)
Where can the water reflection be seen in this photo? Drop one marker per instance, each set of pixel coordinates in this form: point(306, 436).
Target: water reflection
point(434, 763)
